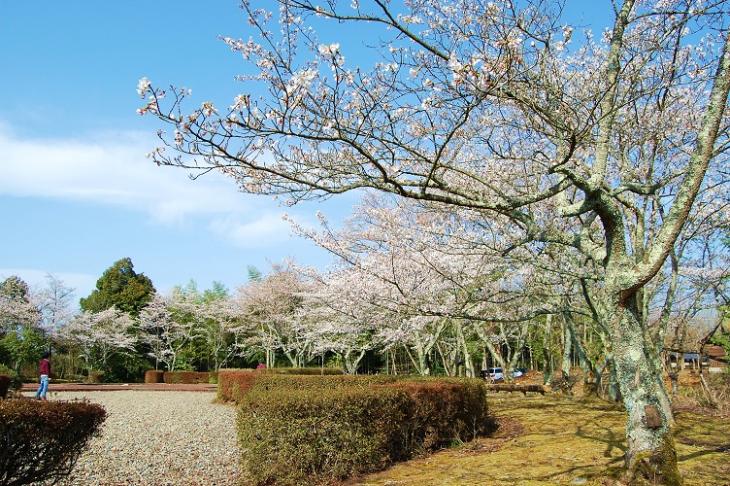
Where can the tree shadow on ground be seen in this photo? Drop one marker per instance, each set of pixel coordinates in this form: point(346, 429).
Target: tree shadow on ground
point(610, 438)
point(556, 440)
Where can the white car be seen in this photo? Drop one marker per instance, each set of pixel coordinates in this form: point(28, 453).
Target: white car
point(497, 374)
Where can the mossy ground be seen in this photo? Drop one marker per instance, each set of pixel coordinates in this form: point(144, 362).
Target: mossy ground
point(557, 440)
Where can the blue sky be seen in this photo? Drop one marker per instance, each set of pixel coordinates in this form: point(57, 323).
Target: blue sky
point(76, 191)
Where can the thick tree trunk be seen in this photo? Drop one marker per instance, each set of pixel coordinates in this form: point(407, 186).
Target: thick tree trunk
point(352, 359)
point(650, 447)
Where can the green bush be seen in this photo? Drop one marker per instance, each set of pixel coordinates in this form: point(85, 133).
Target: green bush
point(187, 377)
point(444, 411)
point(302, 371)
point(304, 433)
point(41, 441)
point(308, 382)
point(233, 383)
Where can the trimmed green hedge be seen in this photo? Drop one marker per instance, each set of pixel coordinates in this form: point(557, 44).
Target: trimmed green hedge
point(233, 383)
point(41, 440)
point(310, 382)
point(302, 371)
point(302, 433)
point(188, 377)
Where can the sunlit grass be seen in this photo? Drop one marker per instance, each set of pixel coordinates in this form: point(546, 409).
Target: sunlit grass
point(555, 440)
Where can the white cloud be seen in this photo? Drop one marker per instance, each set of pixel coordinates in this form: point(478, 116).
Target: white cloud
point(267, 229)
point(110, 169)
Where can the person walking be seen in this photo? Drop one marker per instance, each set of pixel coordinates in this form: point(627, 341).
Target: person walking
point(44, 369)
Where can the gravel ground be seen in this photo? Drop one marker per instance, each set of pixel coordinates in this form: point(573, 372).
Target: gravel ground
point(160, 438)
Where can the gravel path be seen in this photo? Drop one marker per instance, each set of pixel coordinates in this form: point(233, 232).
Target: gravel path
point(160, 438)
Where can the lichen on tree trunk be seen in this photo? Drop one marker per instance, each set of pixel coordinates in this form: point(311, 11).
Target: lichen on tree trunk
point(650, 452)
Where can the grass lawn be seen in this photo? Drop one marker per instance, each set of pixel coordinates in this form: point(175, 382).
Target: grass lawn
point(555, 440)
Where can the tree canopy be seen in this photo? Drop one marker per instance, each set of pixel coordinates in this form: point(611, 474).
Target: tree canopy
point(121, 287)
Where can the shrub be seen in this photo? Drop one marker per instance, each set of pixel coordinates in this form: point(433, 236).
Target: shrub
point(4, 385)
point(154, 376)
point(302, 371)
point(15, 381)
point(234, 383)
point(444, 411)
point(311, 382)
point(95, 377)
point(41, 441)
point(187, 377)
point(292, 436)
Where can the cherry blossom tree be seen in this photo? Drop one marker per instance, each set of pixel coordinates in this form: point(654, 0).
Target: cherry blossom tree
point(270, 305)
point(221, 330)
point(493, 107)
point(55, 303)
point(336, 317)
point(504, 343)
point(16, 312)
point(167, 328)
point(98, 336)
point(430, 281)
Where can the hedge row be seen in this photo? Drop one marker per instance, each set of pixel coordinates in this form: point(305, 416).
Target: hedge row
point(190, 377)
point(154, 376)
point(233, 383)
point(180, 377)
point(302, 371)
point(41, 441)
point(311, 435)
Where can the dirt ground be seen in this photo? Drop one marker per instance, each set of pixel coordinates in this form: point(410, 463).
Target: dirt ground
point(555, 440)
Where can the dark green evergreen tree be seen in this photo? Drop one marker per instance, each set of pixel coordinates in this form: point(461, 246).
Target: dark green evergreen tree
point(122, 287)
